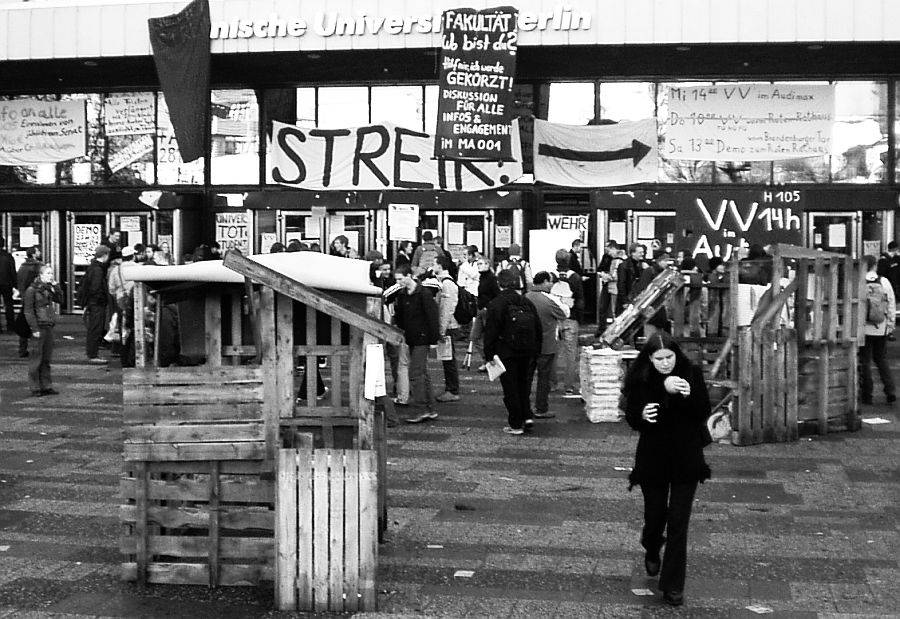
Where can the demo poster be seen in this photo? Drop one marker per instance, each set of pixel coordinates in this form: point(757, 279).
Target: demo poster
point(475, 85)
point(86, 238)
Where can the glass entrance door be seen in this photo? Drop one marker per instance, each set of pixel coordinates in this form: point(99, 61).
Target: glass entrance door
point(24, 230)
point(135, 228)
point(357, 226)
point(835, 232)
point(300, 226)
point(85, 232)
point(655, 229)
point(464, 228)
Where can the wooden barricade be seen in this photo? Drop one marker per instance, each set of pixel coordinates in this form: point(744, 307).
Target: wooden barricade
point(326, 530)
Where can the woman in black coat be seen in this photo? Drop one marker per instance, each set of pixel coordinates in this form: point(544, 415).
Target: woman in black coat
point(667, 402)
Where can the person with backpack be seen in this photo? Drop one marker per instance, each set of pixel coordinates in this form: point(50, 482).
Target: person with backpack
point(567, 355)
point(447, 299)
point(517, 266)
point(513, 333)
point(424, 256)
point(880, 310)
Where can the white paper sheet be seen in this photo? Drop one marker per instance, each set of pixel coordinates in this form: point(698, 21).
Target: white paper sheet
point(456, 233)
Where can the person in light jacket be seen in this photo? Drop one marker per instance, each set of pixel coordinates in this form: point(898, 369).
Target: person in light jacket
point(447, 299)
point(876, 338)
point(39, 306)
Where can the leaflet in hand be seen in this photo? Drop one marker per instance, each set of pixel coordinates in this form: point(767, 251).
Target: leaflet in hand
point(494, 368)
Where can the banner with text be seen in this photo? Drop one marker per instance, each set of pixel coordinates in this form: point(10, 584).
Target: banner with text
point(623, 153)
point(33, 132)
point(129, 114)
point(749, 122)
point(377, 157)
point(577, 224)
point(233, 231)
point(475, 86)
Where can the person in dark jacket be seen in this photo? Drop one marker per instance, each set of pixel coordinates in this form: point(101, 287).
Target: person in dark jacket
point(416, 314)
point(39, 307)
point(487, 291)
point(889, 267)
point(667, 402)
point(756, 268)
point(28, 272)
point(7, 283)
point(627, 275)
point(660, 320)
point(93, 297)
point(516, 356)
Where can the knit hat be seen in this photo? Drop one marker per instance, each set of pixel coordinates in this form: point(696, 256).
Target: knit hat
point(102, 250)
point(127, 251)
point(514, 250)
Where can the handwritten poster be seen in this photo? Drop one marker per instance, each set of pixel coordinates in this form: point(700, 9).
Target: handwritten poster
point(86, 238)
point(130, 114)
point(749, 122)
point(577, 224)
point(33, 132)
point(233, 231)
point(403, 221)
point(503, 236)
point(475, 85)
point(266, 240)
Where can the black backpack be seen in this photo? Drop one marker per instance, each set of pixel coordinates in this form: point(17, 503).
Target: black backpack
point(466, 306)
point(520, 328)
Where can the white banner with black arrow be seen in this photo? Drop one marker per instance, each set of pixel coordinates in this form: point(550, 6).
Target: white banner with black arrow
point(624, 153)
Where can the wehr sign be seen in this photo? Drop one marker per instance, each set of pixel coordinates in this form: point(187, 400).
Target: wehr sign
point(718, 223)
point(475, 87)
point(377, 157)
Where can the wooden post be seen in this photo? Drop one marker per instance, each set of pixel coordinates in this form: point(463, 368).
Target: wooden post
point(351, 532)
point(834, 310)
point(236, 332)
point(312, 362)
point(304, 554)
point(140, 343)
point(141, 475)
point(335, 539)
point(801, 300)
point(213, 328)
point(286, 528)
point(157, 319)
point(321, 458)
point(790, 384)
point(266, 350)
point(337, 386)
point(745, 385)
point(284, 354)
point(214, 489)
point(848, 330)
point(368, 523)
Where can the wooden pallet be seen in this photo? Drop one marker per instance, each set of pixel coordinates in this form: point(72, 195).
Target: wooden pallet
point(648, 302)
point(326, 531)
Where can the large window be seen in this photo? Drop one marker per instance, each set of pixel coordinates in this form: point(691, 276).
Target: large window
point(170, 168)
point(340, 107)
point(400, 105)
point(626, 100)
point(860, 132)
point(571, 103)
point(235, 137)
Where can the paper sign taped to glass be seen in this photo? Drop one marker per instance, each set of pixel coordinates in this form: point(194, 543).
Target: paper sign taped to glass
point(374, 384)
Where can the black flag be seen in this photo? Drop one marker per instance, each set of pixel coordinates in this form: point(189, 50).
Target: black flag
point(181, 53)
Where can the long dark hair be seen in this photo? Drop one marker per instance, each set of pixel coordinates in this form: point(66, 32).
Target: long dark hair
point(643, 369)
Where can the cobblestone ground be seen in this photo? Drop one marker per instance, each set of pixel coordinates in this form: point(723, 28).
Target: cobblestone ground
point(544, 522)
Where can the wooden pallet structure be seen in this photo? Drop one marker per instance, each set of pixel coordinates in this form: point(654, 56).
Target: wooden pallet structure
point(202, 443)
point(650, 300)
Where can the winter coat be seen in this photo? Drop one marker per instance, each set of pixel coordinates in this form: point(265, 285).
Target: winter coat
point(469, 276)
point(417, 315)
point(28, 272)
point(670, 450)
point(38, 305)
point(627, 275)
point(494, 322)
point(550, 313)
point(488, 288)
point(92, 290)
point(886, 326)
point(7, 269)
point(889, 267)
point(447, 299)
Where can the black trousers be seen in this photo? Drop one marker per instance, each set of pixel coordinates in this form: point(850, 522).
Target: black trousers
point(96, 325)
point(6, 294)
point(874, 350)
point(667, 507)
point(516, 390)
point(39, 364)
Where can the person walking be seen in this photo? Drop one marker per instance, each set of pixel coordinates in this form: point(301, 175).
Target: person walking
point(447, 299)
point(880, 308)
point(39, 306)
point(7, 283)
point(416, 314)
point(487, 291)
point(550, 312)
point(666, 401)
point(404, 253)
point(567, 354)
point(518, 266)
point(513, 333)
point(92, 296)
point(424, 256)
point(28, 272)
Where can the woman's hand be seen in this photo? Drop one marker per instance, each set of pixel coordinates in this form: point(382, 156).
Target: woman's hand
point(650, 411)
point(676, 385)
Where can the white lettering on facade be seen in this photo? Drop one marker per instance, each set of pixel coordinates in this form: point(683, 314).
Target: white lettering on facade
point(336, 24)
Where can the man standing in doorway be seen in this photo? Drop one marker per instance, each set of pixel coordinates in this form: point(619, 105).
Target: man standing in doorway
point(513, 333)
point(28, 272)
point(93, 296)
point(447, 300)
point(629, 272)
point(7, 282)
point(550, 313)
point(416, 314)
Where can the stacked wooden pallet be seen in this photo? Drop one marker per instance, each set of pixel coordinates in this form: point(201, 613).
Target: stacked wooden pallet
point(601, 375)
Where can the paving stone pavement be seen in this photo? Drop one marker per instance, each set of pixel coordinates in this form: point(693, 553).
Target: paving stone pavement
point(544, 522)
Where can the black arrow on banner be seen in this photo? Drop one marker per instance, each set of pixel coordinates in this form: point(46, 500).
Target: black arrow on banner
point(636, 152)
